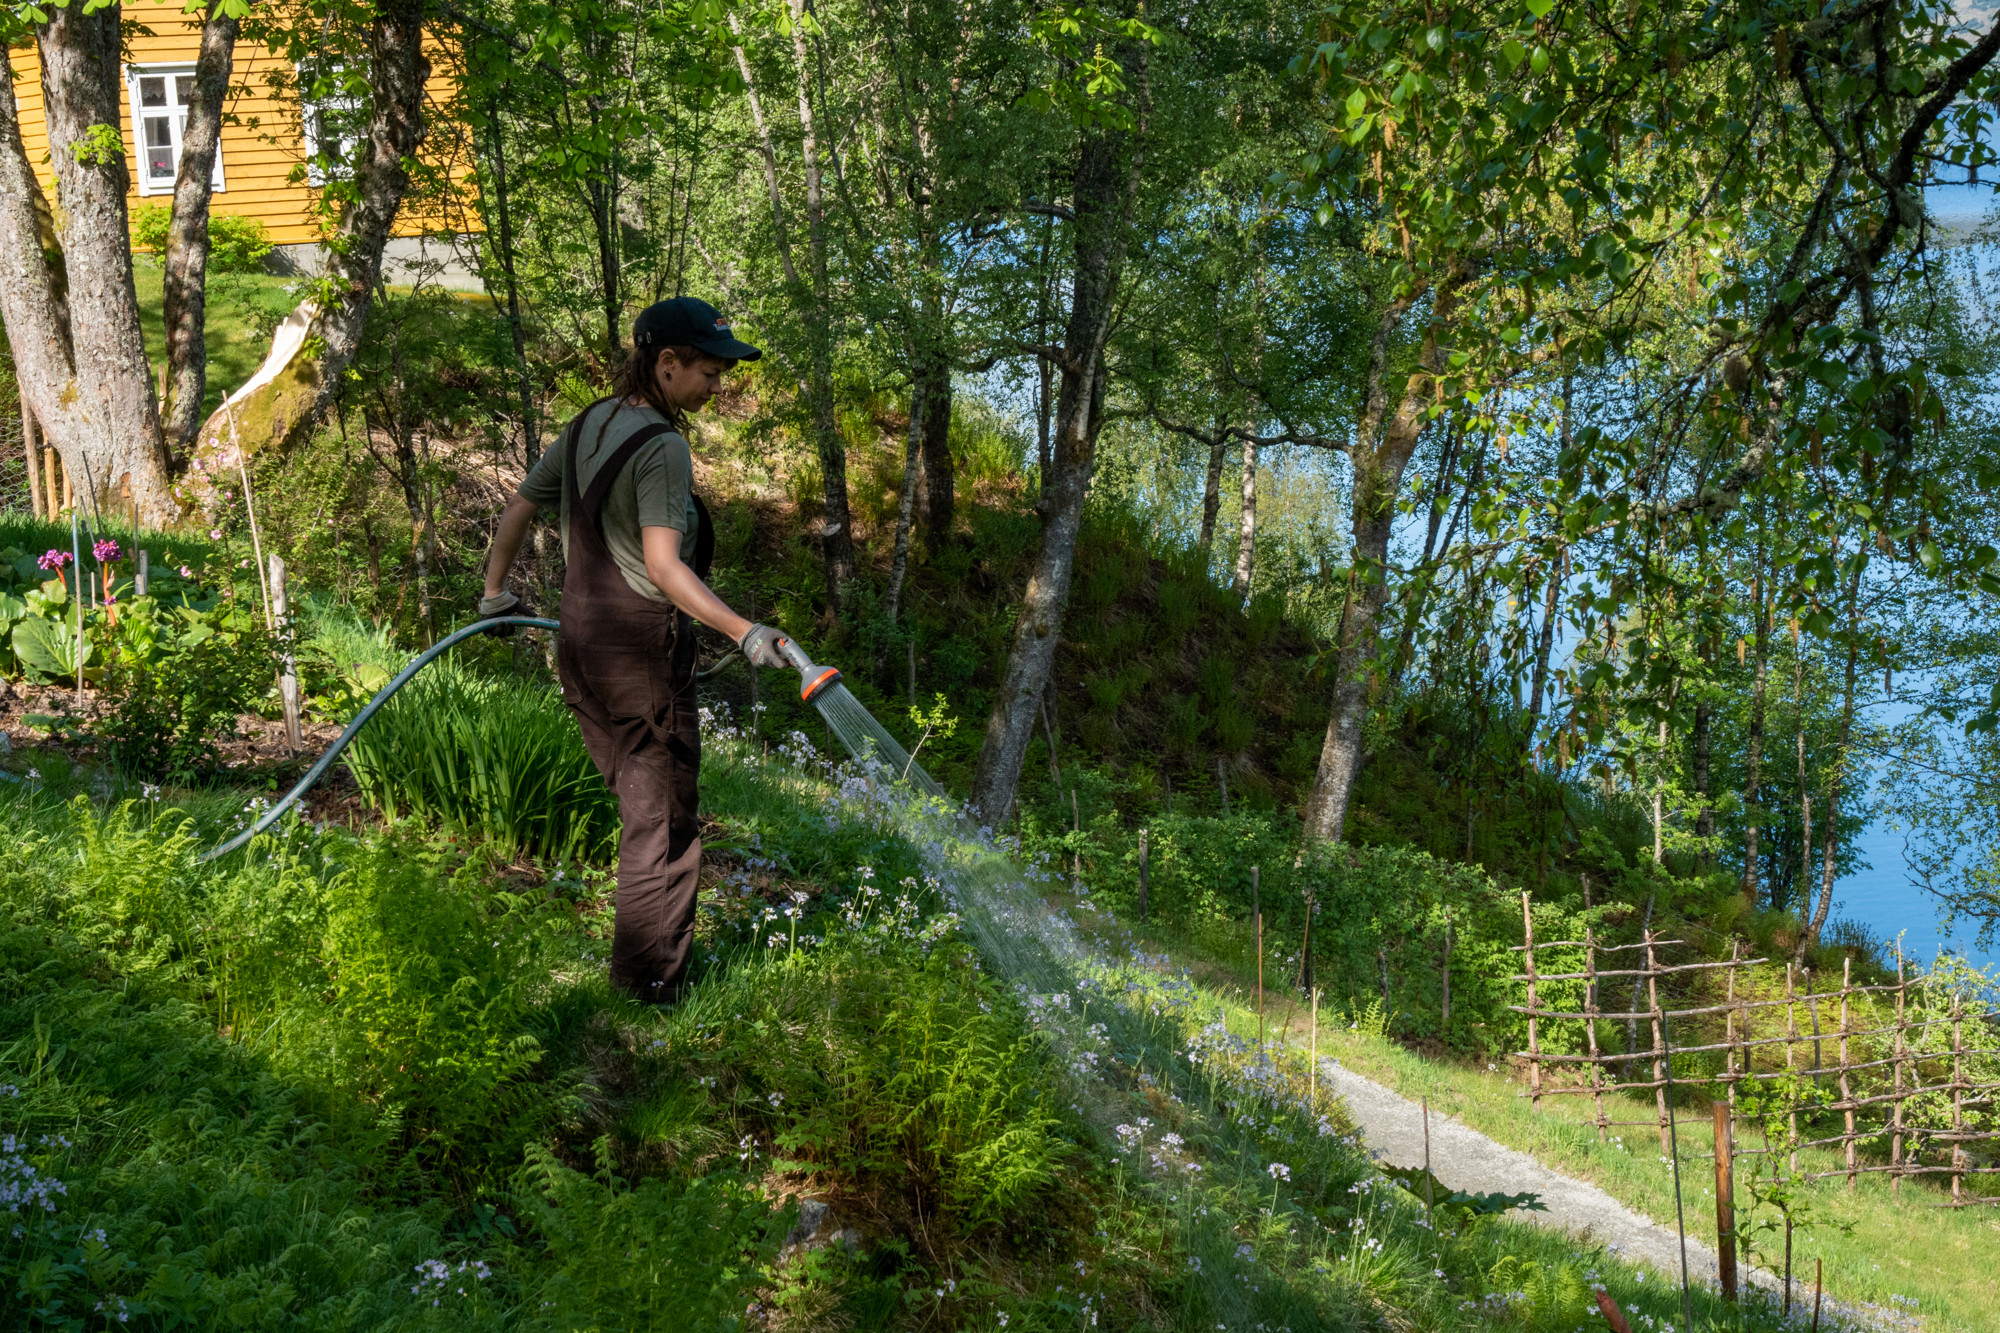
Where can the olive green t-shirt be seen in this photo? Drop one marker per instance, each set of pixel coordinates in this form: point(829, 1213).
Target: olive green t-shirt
point(653, 490)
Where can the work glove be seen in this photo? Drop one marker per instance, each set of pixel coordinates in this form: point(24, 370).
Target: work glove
point(500, 604)
point(760, 646)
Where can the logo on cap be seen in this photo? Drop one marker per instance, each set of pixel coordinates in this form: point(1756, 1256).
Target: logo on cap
point(722, 326)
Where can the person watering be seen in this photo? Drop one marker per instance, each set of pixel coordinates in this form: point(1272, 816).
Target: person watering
point(637, 543)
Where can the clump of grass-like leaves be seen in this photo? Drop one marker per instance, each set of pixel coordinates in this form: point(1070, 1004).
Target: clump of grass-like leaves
point(492, 756)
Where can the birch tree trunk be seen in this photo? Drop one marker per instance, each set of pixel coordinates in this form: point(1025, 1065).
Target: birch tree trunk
point(77, 348)
point(1830, 858)
point(1109, 169)
point(1754, 745)
point(397, 72)
point(1246, 539)
point(1545, 642)
point(1383, 445)
point(186, 260)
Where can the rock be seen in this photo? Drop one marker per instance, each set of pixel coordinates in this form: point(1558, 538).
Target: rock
point(812, 1214)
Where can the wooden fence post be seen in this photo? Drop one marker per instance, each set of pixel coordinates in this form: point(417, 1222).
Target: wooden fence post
point(1896, 1103)
point(1590, 1024)
point(1791, 1040)
point(1729, 1027)
point(1659, 1047)
point(1957, 1100)
point(1534, 1029)
point(288, 672)
point(33, 455)
point(1257, 918)
point(1725, 1199)
point(1142, 874)
point(1076, 827)
point(1444, 1013)
point(1846, 1088)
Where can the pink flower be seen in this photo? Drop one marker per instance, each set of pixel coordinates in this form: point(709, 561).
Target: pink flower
point(110, 599)
point(215, 534)
point(54, 560)
point(106, 550)
point(185, 572)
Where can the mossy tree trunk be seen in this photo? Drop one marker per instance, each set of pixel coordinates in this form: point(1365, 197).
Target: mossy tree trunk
point(78, 352)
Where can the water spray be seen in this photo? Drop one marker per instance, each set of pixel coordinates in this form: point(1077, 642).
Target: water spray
point(880, 755)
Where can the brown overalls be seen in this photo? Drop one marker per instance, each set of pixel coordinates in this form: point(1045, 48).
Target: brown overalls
point(627, 668)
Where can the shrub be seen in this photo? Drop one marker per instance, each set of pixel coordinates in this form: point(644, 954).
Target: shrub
point(177, 687)
point(236, 244)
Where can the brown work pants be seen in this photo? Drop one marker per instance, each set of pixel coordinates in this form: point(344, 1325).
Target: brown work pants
point(643, 734)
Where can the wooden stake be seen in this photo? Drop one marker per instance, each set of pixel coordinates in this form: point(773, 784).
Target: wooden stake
point(1076, 854)
point(1534, 1028)
point(69, 486)
point(76, 559)
point(1725, 1200)
point(1257, 914)
point(1819, 1285)
point(1791, 1040)
point(49, 465)
point(256, 541)
point(1659, 1047)
point(1444, 1009)
point(1896, 1105)
point(1590, 1025)
point(1846, 1092)
point(29, 452)
point(288, 672)
point(1312, 1060)
point(142, 574)
point(1957, 1099)
point(1142, 874)
point(1429, 1202)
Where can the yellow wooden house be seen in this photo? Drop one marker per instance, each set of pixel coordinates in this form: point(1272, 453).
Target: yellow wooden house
point(267, 138)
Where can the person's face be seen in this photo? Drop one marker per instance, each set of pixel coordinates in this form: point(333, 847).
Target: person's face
point(688, 385)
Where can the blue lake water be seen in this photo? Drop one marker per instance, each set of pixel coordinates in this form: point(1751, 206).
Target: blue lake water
point(1883, 899)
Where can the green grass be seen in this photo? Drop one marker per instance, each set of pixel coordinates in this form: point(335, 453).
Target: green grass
point(242, 310)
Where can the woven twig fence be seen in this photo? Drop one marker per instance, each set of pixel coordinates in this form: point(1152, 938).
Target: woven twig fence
point(1906, 1088)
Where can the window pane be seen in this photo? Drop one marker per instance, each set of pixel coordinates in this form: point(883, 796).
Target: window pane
point(159, 149)
point(184, 89)
point(153, 91)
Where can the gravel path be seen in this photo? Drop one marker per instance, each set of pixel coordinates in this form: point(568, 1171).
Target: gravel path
point(1465, 1159)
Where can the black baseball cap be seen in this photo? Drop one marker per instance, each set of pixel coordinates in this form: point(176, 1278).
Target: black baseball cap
point(686, 322)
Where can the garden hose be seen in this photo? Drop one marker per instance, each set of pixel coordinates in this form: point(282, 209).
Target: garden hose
point(424, 659)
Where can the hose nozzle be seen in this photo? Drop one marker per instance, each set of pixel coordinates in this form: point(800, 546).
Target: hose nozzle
point(813, 678)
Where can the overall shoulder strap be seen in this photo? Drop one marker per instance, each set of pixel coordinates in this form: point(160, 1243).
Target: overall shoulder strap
point(567, 443)
point(607, 472)
point(704, 540)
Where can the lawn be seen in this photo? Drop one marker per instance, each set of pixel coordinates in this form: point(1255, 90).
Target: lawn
point(243, 309)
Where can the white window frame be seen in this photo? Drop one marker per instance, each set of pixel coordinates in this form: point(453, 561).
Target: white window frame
point(310, 110)
point(176, 118)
